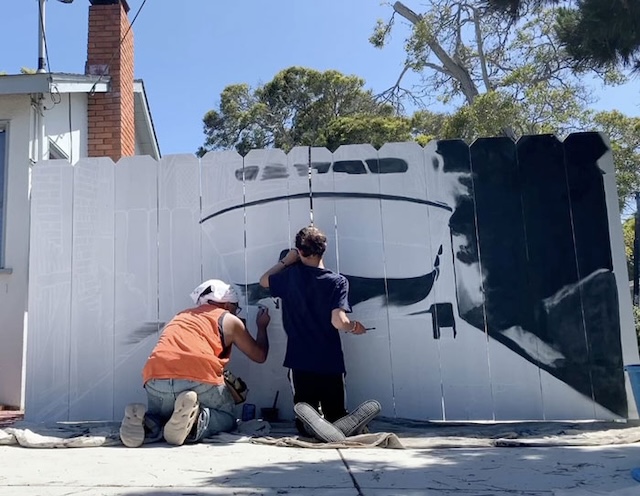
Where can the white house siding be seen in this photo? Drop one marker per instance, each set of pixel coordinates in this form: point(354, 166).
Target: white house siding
point(14, 111)
point(68, 131)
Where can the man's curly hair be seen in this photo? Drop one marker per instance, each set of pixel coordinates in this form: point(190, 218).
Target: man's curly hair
point(311, 241)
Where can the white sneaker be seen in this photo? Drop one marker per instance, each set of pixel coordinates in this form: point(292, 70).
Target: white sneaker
point(132, 426)
point(185, 413)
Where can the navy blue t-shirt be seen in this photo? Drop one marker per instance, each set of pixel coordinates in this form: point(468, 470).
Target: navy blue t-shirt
point(309, 294)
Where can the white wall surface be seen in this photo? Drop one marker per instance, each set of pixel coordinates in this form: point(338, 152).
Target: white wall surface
point(14, 110)
point(66, 123)
point(116, 254)
point(65, 119)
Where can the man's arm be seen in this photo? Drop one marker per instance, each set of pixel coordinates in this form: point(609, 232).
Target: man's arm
point(289, 259)
point(236, 333)
point(340, 304)
point(340, 321)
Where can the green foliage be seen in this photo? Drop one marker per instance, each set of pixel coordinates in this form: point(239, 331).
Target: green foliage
point(299, 106)
point(636, 318)
point(512, 76)
point(628, 233)
point(463, 51)
point(486, 116)
point(624, 133)
point(595, 33)
point(376, 130)
point(427, 126)
point(601, 32)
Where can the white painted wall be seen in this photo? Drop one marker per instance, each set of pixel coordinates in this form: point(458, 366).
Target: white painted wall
point(106, 263)
point(14, 110)
point(68, 129)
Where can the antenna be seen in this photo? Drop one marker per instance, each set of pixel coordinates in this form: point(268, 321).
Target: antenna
point(42, 36)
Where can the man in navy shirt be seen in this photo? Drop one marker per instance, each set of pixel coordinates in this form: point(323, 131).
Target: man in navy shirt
point(314, 308)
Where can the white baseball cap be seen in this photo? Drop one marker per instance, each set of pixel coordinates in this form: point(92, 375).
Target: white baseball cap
point(214, 290)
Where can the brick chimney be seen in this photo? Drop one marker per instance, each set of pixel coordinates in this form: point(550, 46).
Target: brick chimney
point(111, 114)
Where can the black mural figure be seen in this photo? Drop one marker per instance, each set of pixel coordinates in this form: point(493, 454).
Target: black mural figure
point(398, 292)
point(534, 219)
point(542, 240)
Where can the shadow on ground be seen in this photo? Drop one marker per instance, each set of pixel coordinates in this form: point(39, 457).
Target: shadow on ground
point(557, 471)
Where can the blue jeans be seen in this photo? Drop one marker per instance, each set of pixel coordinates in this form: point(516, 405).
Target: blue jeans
point(162, 394)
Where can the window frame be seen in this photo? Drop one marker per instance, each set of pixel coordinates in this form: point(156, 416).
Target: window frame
point(57, 153)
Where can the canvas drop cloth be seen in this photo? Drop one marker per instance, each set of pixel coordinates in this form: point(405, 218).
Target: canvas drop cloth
point(385, 433)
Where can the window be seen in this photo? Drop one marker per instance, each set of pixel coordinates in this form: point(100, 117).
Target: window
point(56, 153)
point(3, 182)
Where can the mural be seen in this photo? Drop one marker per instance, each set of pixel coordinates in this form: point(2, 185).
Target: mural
point(492, 276)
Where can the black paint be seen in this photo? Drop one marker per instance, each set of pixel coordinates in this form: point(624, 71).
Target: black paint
point(399, 292)
point(534, 219)
point(343, 196)
point(593, 253)
point(538, 215)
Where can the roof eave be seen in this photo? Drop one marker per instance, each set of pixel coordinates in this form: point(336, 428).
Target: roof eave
point(25, 84)
point(147, 138)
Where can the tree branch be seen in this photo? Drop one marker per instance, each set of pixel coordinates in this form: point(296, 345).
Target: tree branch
point(480, 43)
point(457, 71)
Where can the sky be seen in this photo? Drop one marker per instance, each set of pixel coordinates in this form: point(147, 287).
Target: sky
point(187, 52)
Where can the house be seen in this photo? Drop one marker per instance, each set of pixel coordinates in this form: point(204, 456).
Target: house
point(103, 112)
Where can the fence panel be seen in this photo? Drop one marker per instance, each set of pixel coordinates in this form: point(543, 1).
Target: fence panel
point(503, 261)
point(222, 223)
point(360, 251)
point(179, 244)
point(494, 275)
point(410, 276)
point(92, 290)
point(594, 291)
point(267, 175)
point(50, 278)
point(136, 279)
point(463, 352)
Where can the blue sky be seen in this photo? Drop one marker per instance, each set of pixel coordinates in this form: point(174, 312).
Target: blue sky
point(187, 52)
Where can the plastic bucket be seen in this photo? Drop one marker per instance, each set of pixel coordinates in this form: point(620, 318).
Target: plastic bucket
point(269, 414)
point(634, 378)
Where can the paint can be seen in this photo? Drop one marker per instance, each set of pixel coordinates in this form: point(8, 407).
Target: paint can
point(248, 412)
point(634, 379)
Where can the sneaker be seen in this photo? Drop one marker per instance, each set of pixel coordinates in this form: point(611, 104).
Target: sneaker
point(132, 426)
point(314, 423)
point(199, 426)
point(356, 422)
point(185, 413)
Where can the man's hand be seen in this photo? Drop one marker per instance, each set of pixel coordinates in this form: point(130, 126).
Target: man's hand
point(291, 257)
point(263, 318)
point(358, 328)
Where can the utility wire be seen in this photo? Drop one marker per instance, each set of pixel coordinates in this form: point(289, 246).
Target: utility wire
point(104, 72)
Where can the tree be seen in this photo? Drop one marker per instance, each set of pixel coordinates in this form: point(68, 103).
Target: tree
point(628, 234)
point(463, 52)
point(594, 32)
point(624, 134)
point(300, 106)
point(507, 76)
point(376, 130)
